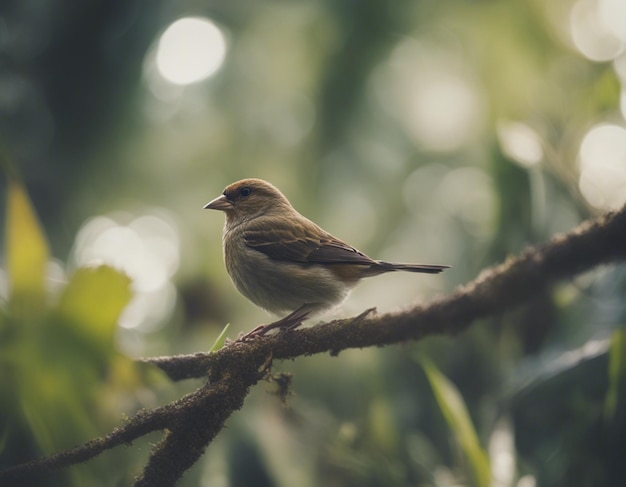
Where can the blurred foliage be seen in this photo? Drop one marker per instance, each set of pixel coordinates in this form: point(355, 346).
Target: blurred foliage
point(617, 374)
point(57, 358)
point(457, 417)
point(27, 255)
point(446, 132)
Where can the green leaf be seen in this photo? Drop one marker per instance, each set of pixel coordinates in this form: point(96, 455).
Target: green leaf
point(72, 359)
point(27, 253)
point(56, 394)
point(93, 301)
point(219, 341)
point(456, 415)
point(617, 372)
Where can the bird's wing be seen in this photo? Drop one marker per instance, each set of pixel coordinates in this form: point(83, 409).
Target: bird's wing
point(306, 244)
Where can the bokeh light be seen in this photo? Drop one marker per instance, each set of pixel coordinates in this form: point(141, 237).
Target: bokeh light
point(527, 481)
point(433, 95)
point(520, 143)
point(613, 16)
point(147, 250)
point(190, 50)
point(593, 27)
point(602, 162)
point(502, 453)
point(440, 111)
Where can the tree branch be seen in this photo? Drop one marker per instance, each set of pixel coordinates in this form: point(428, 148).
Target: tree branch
point(194, 420)
point(497, 289)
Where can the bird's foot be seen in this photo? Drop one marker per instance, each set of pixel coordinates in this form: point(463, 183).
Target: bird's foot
point(288, 323)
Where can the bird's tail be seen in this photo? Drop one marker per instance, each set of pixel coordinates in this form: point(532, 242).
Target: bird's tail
point(424, 268)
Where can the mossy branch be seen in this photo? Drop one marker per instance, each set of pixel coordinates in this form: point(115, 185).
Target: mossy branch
point(191, 422)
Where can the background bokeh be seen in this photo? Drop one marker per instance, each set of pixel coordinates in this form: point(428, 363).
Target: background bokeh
point(446, 132)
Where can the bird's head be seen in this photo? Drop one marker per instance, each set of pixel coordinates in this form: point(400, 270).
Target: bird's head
point(249, 198)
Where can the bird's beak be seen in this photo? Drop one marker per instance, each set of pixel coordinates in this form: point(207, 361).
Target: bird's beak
point(220, 203)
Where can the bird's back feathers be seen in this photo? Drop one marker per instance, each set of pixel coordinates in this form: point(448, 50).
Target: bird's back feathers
point(312, 245)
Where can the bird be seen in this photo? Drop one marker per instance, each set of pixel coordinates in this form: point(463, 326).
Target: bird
point(283, 262)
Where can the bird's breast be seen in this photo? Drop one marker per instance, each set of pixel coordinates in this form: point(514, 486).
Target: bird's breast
point(282, 286)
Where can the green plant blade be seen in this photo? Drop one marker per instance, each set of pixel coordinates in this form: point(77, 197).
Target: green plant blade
point(617, 372)
point(27, 253)
point(456, 415)
point(221, 338)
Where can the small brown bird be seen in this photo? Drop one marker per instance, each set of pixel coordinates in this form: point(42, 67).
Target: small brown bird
point(285, 263)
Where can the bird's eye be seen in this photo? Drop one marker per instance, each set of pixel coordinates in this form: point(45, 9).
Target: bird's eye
point(245, 191)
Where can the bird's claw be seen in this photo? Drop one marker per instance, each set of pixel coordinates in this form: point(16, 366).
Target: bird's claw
point(252, 334)
point(288, 323)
